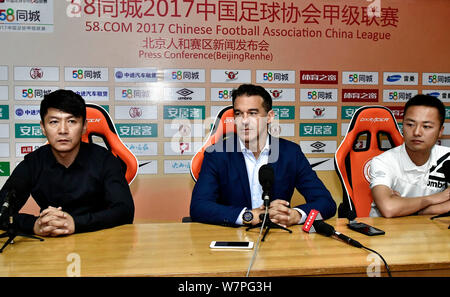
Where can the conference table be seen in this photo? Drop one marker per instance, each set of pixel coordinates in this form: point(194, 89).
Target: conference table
point(412, 246)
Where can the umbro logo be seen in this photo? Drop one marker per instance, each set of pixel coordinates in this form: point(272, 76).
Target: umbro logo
point(184, 92)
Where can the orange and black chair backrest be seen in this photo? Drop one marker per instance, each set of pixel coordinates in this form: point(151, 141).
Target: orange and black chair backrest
point(223, 124)
point(372, 130)
point(100, 124)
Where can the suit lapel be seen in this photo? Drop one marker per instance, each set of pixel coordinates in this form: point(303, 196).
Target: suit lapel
point(238, 163)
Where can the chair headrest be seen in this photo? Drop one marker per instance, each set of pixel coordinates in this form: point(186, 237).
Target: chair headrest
point(99, 123)
point(373, 120)
point(223, 124)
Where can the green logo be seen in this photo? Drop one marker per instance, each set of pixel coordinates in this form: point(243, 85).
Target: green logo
point(4, 112)
point(137, 130)
point(185, 112)
point(4, 169)
point(28, 131)
point(284, 112)
point(314, 129)
point(347, 112)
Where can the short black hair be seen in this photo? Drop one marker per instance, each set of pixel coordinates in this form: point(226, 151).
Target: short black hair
point(64, 100)
point(427, 100)
point(253, 90)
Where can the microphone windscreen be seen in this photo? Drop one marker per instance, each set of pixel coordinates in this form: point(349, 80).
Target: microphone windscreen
point(266, 175)
point(323, 228)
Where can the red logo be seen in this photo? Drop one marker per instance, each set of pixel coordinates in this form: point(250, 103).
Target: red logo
point(135, 112)
point(276, 93)
point(26, 149)
point(310, 220)
point(318, 111)
point(397, 111)
point(319, 77)
point(36, 73)
point(184, 146)
point(231, 74)
point(359, 95)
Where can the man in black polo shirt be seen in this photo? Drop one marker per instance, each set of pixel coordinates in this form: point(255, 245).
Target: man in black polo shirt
point(79, 187)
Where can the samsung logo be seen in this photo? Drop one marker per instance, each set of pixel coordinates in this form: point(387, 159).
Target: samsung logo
point(393, 78)
point(435, 94)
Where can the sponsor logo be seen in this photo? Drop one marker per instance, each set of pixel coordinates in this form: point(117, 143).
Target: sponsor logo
point(318, 111)
point(178, 75)
point(193, 75)
point(4, 169)
point(184, 94)
point(224, 94)
point(359, 95)
point(231, 75)
point(318, 77)
point(284, 112)
point(316, 164)
point(176, 166)
point(28, 131)
point(276, 93)
point(397, 111)
point(318, 145)
point(137, 130)
point(400, 78)
point(135, 74)
point(184, 146)
point(135, 112)
point(184, 112)
point(36, 73)
point(119, 74)
point(442, 79)
point(360, 78)
point(314, 129)
point(393, 78)
point(275, 76)
point(319, 95)
point(4, 112)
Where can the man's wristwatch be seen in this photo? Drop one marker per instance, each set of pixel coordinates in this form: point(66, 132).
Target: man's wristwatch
point(247, 217)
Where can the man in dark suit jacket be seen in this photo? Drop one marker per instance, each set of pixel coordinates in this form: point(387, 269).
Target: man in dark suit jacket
point(228, 192)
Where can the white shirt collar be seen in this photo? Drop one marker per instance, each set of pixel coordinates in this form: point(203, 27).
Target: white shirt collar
point(410, 166)
point(245, 150)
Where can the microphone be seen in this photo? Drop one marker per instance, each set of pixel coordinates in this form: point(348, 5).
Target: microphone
point(7, 203)
point(12, 185)
point(314, 223)
point(266, 179)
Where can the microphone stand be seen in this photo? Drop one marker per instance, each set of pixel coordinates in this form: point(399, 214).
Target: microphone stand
point(12, 231)
point(266, 222)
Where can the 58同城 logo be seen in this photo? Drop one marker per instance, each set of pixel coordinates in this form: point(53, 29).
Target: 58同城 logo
point(20, 15)
point(7, 15)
